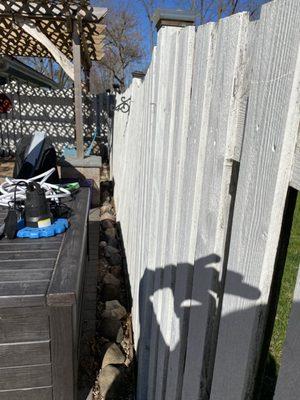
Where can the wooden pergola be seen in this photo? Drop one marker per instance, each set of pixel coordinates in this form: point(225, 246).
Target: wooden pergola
point(69, 31)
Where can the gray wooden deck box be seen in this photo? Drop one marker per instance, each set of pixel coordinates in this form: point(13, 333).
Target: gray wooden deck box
point(40, 302)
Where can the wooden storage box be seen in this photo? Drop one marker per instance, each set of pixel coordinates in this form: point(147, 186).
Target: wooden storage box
point(40, 306)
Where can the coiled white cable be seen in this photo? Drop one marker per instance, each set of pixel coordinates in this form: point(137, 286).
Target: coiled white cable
point(9, 192)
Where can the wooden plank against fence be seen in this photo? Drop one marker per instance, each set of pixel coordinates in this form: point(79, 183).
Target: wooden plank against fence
point(145, 286)
point(187, 213)
point(266, 163)
point(165, 118)
point(229, 96)
point(295, 179)
point(172, 178)
point(142, 208)
point(288, 384)
point(165, 66)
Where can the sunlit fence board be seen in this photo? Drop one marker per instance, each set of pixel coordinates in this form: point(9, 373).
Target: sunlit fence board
point(202, 164)
point(266, 162)
point(228, 60)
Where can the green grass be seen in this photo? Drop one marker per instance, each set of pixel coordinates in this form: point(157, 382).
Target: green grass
point(283, 310)
point(287, 289)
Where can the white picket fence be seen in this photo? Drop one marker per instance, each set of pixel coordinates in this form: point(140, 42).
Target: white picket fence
point(202, 165)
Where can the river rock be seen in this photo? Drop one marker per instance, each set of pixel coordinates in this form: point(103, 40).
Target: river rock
point(111, 329)
point(111, 382)
point(113, 243)
point(107, 207)
point(106, 224)
point(113, 309)
point(113, 355)
point(107, 216)
point(111, 288)
point(116, 271)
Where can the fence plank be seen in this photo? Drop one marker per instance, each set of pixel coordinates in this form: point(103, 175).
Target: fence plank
point(288, 384)
point(175, 173)
point(165, 118)
point(175, 131)
point(270, 138)
point(223, 138)
point(295, 179)
point(145, 286)
point(187, 219)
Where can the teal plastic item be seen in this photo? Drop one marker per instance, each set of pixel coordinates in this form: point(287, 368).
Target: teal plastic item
point(58, 227)
point(72, 151)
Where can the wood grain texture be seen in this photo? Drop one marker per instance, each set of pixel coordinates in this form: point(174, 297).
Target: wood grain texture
point(21, 354)
point(25, 377)
point(187, 213)
point(30, 293)
point(77, 60)
point(68, 273)
point(21, 246)
point(186, 231)
point(229, 41)
point(11, 255)
point(164, 126)
point(171, 180)
point(266, 163)
point(27, 394)
point(24, 325)
point(23, 275)
point(61, 322)
point(295, 179)
point(27, 264)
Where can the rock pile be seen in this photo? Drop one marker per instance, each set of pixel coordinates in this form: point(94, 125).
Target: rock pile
point(116, 377)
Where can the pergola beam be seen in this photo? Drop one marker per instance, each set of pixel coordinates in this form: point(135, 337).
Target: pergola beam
point(78, 90)
point(30, 28)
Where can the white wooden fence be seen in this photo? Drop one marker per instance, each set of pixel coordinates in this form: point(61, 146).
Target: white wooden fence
point(202, 165)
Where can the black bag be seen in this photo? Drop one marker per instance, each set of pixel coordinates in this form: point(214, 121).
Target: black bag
point(47, 160)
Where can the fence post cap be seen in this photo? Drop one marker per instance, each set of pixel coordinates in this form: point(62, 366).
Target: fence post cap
point(171, 17)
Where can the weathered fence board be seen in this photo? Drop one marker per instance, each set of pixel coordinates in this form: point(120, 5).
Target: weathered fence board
point(269, 143)
point(221, 132)
point(295, 179)
point(202, 164)
point(175, 132)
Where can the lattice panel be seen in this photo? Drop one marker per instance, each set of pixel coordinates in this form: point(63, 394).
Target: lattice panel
point(54, 19)
point(52, 111)
point(60, 9)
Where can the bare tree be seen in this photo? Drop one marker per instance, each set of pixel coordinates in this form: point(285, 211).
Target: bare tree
point(123, 47)
point(150, 6)
point(212, 10)
point(204, 10)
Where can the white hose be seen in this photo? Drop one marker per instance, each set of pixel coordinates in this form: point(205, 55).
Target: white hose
point(8, 190)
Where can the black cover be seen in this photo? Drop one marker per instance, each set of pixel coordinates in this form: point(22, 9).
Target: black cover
point(47, 160)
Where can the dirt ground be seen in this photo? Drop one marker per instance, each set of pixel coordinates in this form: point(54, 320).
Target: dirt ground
point(6, 168)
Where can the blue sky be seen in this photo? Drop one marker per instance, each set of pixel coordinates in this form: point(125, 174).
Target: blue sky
point(137, 8)
point(143, 24)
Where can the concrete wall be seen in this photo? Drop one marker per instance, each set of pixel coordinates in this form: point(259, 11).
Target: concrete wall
point(202, 165)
